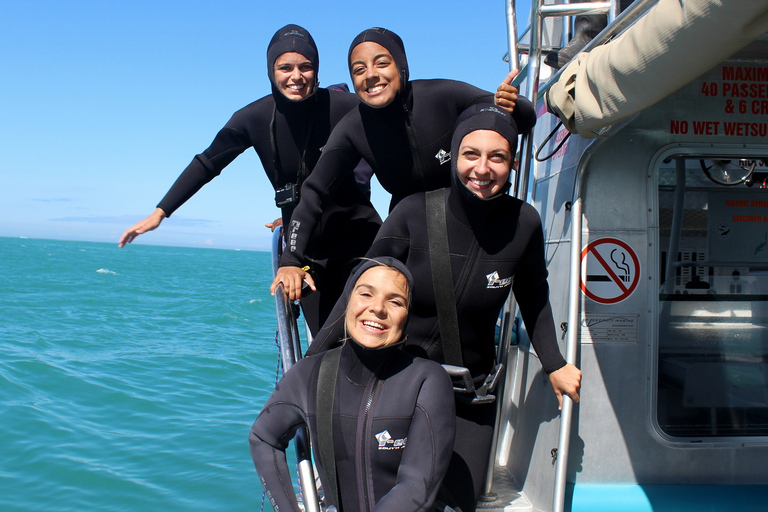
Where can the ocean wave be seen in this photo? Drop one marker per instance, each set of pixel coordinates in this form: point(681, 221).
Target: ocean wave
point(105, 271)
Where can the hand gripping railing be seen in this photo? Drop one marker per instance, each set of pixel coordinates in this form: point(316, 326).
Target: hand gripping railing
point(290, 352)
point(522, 189)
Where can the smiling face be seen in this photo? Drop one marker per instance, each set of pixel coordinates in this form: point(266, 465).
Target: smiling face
point(374, 74)
point(378, 307)
point(294, 76)
point(484, 162)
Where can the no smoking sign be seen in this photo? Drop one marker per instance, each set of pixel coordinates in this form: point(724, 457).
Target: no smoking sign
point(610, 270)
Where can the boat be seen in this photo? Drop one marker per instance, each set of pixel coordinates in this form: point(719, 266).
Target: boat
point(655, 215)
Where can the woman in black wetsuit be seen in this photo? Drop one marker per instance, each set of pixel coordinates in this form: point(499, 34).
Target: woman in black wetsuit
point(495, 243)
point(402, 129)
point(287, 129)
point(392, 417)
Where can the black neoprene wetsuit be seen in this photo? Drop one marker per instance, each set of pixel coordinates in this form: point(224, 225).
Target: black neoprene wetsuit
point(393, 422)
point(495, 245)
point(407, 144)
point(288, 137)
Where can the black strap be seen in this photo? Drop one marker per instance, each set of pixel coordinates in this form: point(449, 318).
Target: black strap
point(442, 277)
point(326, 389)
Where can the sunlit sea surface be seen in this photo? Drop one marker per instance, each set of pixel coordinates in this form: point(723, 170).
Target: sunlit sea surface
point(129, 377)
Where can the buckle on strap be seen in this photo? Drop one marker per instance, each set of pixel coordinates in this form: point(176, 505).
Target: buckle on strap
point(464, 386)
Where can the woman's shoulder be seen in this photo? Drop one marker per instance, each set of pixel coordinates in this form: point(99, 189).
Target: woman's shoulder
point(424, 367)
point(445, 84)
point(409, 204)
point(347, 99)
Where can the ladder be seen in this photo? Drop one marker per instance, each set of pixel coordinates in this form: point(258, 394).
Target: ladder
point(530, 72)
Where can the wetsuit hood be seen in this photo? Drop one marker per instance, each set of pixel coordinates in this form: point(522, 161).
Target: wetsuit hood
point(394, 46)
point(291, 38)
point(480, 117)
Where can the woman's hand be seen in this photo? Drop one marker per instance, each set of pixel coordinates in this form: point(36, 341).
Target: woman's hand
point(148, 224)
point(566, 381)
point(274, 224)
point(293, 279)
point(506, 93)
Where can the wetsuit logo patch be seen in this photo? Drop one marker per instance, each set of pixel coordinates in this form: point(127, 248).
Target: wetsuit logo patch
point(387, 443)
point(494, 281)
point(295, 224)
point(443, 156)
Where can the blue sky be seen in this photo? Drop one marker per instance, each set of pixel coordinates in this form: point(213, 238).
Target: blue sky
point(103, 104)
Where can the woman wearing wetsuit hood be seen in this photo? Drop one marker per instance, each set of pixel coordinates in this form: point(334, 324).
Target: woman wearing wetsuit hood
point(402, 129)
point(288, 129)
point(391, 417)
point(495, 243)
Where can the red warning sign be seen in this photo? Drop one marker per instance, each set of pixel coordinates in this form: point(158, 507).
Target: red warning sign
point(610, 270)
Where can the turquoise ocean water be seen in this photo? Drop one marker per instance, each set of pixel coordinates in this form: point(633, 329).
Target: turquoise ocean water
point(129, 377)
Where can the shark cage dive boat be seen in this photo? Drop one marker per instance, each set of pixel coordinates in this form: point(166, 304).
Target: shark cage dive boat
point(652, 185)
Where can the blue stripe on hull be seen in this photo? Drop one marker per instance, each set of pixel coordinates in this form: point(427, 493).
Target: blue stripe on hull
point(666, 498)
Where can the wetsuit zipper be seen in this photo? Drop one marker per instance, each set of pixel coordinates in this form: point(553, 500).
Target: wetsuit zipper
point(364, 450)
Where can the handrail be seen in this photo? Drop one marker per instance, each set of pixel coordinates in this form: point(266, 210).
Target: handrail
point(626, 19)
point(290, 351)
point(502, 354)
point(535, 94)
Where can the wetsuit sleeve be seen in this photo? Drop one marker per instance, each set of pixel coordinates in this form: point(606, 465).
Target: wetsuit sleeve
point(230, 142)
point(336, 164)
point(428, 449)
point(270, 435)
point(394, 236)
point(393, 239)
point(524, 115)
point(532, 294)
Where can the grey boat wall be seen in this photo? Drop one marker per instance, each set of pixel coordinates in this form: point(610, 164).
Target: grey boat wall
point(673, 306)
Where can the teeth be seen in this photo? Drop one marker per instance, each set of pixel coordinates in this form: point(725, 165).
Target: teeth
point(376, 88)
point(296, 87)
point(481, 183)
point(374, 325)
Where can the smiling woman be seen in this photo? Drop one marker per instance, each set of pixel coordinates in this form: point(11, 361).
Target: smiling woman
point(402, 128)
point(484, 162)
point(294, 76)
point(394, 412)
point(378, 307)
point(374, 74)
point(288, 129)
point(495, 243)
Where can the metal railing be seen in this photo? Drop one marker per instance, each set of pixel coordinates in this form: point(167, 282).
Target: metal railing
point(531, 74)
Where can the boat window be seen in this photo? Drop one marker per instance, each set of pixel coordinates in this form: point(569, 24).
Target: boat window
point(712, 362)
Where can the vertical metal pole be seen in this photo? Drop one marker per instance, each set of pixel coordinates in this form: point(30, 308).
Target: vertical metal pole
point(677, 225)
point(509, 306)
point(572, 339)
point(534, 63)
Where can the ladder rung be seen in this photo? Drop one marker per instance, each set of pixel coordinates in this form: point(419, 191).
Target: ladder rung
point(574, 9)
